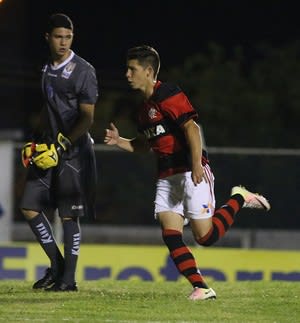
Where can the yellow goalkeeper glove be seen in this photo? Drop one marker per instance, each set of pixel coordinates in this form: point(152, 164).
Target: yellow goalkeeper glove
point(49, 157)
point(45, 157)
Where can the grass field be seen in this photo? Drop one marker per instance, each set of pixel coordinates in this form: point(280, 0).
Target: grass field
point(136, 301)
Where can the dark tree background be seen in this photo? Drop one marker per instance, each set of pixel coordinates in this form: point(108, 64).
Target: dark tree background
point(238, 61)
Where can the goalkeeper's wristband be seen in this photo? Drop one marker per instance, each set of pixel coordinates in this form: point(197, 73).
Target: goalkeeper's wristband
point(62, 144)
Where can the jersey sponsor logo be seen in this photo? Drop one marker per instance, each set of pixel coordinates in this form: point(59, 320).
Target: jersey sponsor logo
point(45, 235)
point(76, 244)
point(155, 131)
point(66, 73)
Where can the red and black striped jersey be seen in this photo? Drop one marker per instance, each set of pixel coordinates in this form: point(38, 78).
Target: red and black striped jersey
point(160, 119)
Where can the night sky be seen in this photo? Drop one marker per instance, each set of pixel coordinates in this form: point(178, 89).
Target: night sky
point(104, 30)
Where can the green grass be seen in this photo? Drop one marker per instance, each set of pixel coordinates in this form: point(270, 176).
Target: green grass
point(135, 301)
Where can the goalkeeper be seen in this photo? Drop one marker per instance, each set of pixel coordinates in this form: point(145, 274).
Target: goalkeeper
point(60, 157)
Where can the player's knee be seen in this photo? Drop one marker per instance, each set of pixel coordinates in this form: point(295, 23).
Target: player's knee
point(208, 240)
point(29, 214)
point(70, 218)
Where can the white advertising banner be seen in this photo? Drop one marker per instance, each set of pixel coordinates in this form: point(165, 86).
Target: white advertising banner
point(6, 189)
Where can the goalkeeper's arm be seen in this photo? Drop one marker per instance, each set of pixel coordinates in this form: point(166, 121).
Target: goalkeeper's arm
point(29, 148)
point(84, 122)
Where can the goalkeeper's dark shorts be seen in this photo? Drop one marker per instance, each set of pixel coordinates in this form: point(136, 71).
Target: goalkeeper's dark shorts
point(70, 187)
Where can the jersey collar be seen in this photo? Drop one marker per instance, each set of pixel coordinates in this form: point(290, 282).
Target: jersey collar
point(63, 63)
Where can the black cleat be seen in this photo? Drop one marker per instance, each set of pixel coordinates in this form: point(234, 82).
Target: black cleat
point(46, 281)
point(62, 287)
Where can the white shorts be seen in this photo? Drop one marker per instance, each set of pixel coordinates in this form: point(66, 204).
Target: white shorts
point(177, 193)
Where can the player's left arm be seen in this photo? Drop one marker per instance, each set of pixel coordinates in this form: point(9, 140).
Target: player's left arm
point(84, 122)
point(87, 96)
point(179, 109)
point(193, 137)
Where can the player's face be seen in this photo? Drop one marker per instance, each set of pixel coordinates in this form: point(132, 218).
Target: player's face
point(137, 75)
point(60, 41)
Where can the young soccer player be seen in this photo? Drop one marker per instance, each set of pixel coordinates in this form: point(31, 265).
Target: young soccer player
point(185, 182)
point(60, 157)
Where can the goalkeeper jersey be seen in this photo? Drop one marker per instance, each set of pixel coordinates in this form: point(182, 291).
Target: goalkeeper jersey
point(64, 87)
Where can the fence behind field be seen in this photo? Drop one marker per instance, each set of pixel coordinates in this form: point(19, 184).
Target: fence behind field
point(126, 187)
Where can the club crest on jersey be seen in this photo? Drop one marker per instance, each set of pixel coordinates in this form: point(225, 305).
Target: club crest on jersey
point(154, 131)
point(152, 113)
point(68, 70)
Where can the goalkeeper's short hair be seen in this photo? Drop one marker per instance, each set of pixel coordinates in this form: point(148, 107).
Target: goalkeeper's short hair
point(58, 20)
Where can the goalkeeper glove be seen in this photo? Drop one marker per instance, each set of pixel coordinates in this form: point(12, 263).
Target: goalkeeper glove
point(27, 152)
point(49, 157)
point(45, 158)
point(62, 143)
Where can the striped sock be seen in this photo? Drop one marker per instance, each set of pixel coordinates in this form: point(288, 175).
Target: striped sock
point(222, 220)
point(183, 258)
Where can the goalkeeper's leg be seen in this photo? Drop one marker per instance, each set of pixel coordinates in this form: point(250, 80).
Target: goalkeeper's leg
point(41, 228)
point(72, 238)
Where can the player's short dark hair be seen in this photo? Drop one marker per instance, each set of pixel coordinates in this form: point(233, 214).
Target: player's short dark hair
point(145, 55)
point(58, 20)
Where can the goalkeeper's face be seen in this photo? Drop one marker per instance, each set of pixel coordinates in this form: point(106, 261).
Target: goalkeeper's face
point(60, 41)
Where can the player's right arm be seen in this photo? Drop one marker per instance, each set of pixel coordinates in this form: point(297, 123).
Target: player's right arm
point(112, 137)
point(41, 123)
point(29, 149)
